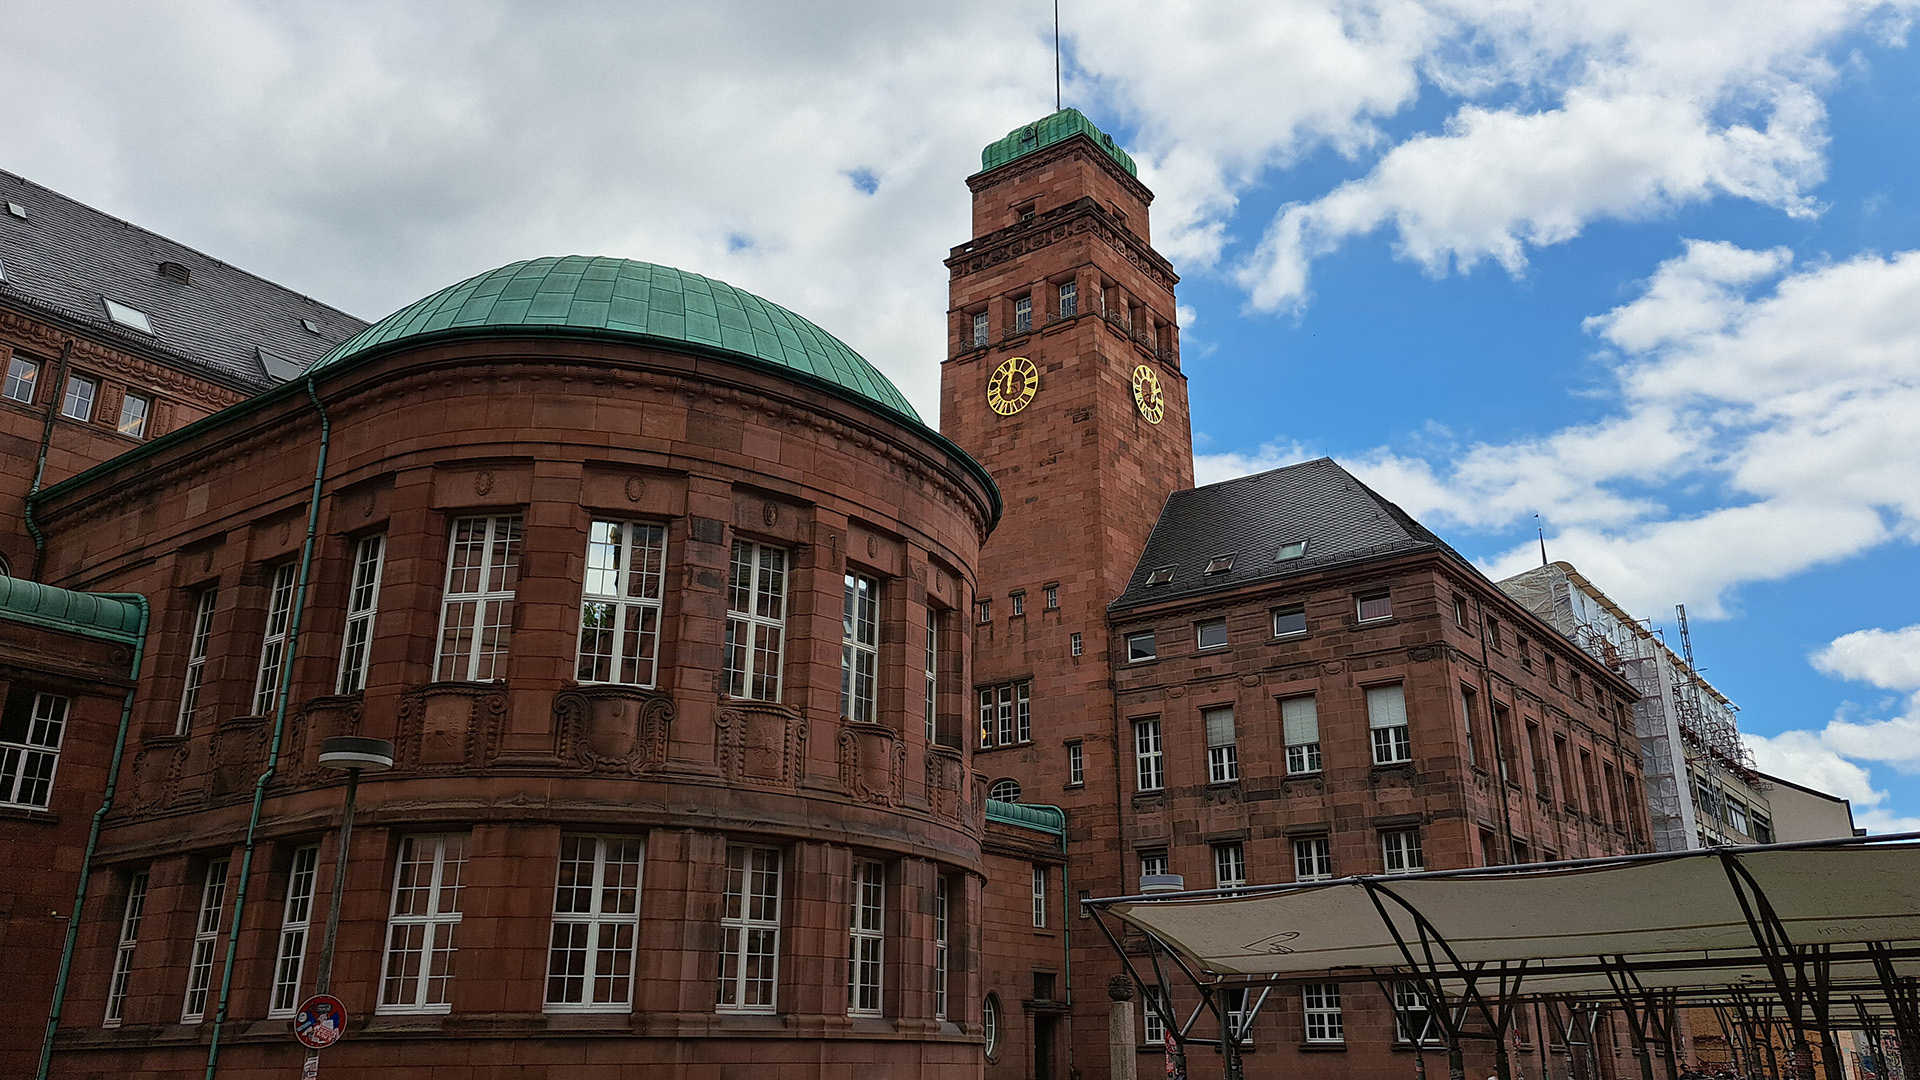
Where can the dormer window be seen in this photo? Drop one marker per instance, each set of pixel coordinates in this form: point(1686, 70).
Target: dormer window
point(1220, 564)
point(131, 318)
point(1292, 549)
point(1160, 576)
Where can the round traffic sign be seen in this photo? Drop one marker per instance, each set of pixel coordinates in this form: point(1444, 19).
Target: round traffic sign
point(320, 1021)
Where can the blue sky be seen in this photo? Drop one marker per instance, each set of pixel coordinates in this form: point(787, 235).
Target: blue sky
point(1647, 269)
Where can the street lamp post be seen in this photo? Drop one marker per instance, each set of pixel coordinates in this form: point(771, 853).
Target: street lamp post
point(354, 754)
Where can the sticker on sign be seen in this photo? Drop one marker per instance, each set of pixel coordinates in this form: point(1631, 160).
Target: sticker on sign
point(320, 1021)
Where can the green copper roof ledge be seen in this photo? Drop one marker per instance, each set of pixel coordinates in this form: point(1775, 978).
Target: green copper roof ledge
point(1044, 132)
point(1047, 819)
point(598, 296)
point(95, 615)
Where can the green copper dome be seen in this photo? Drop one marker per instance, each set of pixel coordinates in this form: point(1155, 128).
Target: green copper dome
point(601, 297)
point(1044, 132)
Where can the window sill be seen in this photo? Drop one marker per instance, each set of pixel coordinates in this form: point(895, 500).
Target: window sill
point(1323, 1047)
point(1290, 634)
point(1311, 774)
point(36, 815)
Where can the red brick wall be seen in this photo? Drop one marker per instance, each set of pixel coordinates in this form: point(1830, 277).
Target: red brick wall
point(560, 433)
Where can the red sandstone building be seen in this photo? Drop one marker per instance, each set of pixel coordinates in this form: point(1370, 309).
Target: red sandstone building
point(738, 727)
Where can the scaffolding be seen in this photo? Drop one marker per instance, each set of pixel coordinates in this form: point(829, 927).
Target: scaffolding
point(1680, 719)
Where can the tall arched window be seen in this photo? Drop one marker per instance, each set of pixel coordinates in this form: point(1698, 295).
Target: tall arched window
point(990, 1025)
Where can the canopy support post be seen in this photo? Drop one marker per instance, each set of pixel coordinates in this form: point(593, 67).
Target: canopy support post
point(1903, 1001)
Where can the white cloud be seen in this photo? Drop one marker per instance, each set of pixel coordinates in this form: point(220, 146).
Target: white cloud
point(1885, 658)
point(1830, 759)
point(1213, 468)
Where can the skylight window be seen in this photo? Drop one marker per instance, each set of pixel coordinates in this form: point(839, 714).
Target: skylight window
point(1160, 576)
point(1220, 564)
point(1293, 549)
point(131, 318)
point(311, 326)
point(17, 210)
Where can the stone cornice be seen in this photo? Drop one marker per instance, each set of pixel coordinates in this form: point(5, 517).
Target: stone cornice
point(23, 331)
point(1081, 217)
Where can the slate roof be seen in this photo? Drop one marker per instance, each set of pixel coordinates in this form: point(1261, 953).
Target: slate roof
point(1250, 517)
point(65, 258)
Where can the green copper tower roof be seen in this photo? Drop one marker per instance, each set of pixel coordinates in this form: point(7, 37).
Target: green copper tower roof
point(600, 297)
point(1062, 125)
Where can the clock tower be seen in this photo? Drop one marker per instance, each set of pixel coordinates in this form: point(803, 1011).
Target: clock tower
point(1063, 378)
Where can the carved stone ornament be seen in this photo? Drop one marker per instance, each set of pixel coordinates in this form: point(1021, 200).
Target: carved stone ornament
point(156, 773)
point(317, 721)
point(444, 727)
point(238, 755)
point(946, 777)
point(636, 487)
point(614, 729)
point(770, 514)
point(483, 482)
point(1120, 988)
point(760, 743)
point(873, 763)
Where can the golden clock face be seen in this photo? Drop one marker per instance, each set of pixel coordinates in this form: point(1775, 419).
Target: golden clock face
point(1146, 394)
point(1012, 385)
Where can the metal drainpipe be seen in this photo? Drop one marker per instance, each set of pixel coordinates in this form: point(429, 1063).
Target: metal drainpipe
point(279, 729)
point(40, 460)
point(1066, 930)
point(93, 838)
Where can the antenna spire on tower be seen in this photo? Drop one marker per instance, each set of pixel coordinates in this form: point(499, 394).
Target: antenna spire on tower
point(1056, 56)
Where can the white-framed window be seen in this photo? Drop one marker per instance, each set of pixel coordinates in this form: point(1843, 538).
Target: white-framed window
point(1312, 859)
point(984, 610)
point(990, 1025)
point(273, 643)
point(1233, 1007)
point(860, 649)
point(756, 621)
point(1289, 620)
point(1387, 722)
point(866, 938)
point(933, 674)
point(296, 917)
point(1300, 726)
point(1400, 850)
point(1223, 757)
point(1006, 714)
point(1210, 634)
point(196, 659)
point(23, 380)
point(206, 939)
point(1373, 605)
point(77, 402)
point(363, 603)
point(1322, 1001)
point(1069, 300)
point(1411, 1015)
point(32, 728)
point(416, 974)
point(1075, 645)
point(1040, 896)
point(1149, 770)
point(1052, 595)
point(1153, 1030)
point(1023, 315)
point(130, 916)
point(596, 924)
point(1005, 789)
point(134, 410)
point(979, 329)
point(1140, 647)
point(620, 603)
point(1076, 765)
point(942, 936)
point(1229, 866)
point(1016, 604)
point(750, 930)
point(1153, 863)
point(476, 608)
